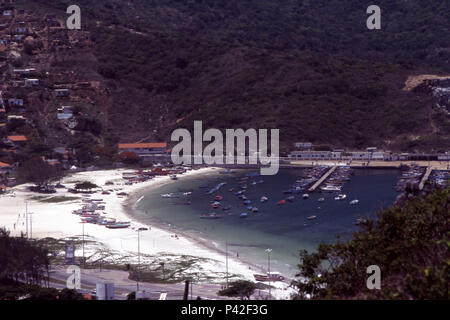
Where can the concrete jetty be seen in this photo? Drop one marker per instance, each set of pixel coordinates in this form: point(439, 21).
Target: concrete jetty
point(425, 177)
point(322, 179)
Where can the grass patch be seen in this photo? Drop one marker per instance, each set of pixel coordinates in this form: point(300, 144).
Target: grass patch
point(58, 199)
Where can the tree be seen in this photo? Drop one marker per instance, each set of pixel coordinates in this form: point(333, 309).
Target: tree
point(129, 157)
point(241, 288)
point(86, 185)
point(38, 171)
point(409, 243)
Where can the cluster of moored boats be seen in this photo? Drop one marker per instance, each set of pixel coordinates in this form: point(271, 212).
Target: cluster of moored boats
point(244, 184)
point(440, 178)
point(411, 176)
point(93, 212)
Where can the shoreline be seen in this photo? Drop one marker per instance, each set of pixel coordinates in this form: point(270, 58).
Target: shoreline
point(129, 208)
point(57, 221)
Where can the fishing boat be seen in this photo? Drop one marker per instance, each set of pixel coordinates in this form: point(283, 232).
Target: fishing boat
point(209, 216)
point(217, 187)
point(215, 205)
point(263, 199)
point(330, 188)
point(340, 197)
point(305, 196)
point(118, 225)
point(271, 276)
point(353, 202)
point(311, 217)
point(243, 215)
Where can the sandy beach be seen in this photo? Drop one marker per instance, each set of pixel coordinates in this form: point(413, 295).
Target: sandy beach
point(56, 220)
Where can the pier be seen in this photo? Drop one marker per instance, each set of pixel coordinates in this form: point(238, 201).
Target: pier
point(321, 180)
point(425, 177)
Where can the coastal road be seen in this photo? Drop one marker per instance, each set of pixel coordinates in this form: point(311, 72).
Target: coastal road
point(123, 286)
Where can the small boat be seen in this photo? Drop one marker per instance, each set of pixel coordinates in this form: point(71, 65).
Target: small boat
point(281, 202)
point(231, 189)
point(243, 215)
point(255, 209)
point(356, 201)
point(187, 193)
point(305, 196)
point(321, 199)
point(228, 171)
point(247, 201)
point(250, 208)
point(340, 197)
point(209, 216)
point(218, 198)
point(311, 217)
point(173, 177)
point(226, 208)
point(291, 199)
point(263, 199)
point(215, 205)
point(118, 225)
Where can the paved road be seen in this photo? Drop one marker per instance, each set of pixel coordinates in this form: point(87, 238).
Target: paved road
point(123, 286)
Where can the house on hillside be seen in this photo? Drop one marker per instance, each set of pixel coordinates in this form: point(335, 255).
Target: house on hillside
point(16, 140)
point(31, 82)
point(65, 113)
point(62, 92)
point(5, 167)
point(13, 102)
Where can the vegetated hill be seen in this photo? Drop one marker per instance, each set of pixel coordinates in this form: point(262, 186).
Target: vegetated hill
point(309, 68)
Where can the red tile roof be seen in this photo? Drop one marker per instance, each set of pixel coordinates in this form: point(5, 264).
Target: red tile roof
point(4, 165)
point(17, 138)
point(142, 145)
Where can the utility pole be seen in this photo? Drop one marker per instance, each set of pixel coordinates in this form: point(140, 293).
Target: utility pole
point(268, 274)
point(31, 224)
point(139, 257)
point(26, 217)
point(84, 261)
point(139, 260)
point(226, 261)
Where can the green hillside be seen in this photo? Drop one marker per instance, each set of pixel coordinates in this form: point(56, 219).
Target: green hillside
point(310, 68)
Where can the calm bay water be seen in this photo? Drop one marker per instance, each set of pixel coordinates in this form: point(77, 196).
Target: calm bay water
point(283, 228)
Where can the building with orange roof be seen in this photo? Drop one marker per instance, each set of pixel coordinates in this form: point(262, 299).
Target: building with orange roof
point(16, 139)
point(144, 148)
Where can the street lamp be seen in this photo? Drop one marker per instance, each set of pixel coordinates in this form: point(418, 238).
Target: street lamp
point(139, 258)
point(268, 274)
point(84, 261)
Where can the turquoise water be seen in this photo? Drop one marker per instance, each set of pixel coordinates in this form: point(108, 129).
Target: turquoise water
point(283, 228)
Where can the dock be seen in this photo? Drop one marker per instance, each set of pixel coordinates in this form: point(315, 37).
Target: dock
point(322, 179)
point(425, 177)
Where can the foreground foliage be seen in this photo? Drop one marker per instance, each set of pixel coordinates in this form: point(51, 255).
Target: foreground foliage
point(409, 242)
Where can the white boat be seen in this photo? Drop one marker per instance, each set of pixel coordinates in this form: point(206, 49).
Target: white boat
point(264, 199)
point(330, 188)
point(356, 201)
point(305, 196)
point(340, 197)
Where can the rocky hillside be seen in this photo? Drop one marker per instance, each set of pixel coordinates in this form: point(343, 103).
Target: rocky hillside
point(310, 68)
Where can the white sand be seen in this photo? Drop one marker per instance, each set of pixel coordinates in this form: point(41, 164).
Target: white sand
point(57, 221)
